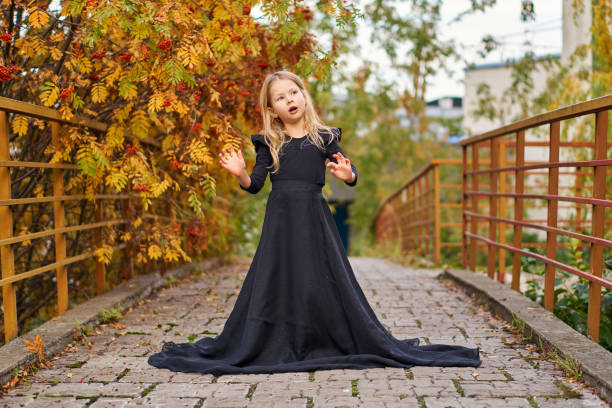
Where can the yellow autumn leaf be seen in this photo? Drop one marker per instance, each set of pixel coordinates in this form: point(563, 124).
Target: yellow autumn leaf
point(24, 231)
point(156, 102)
point(159, 188)
point(83, 64)
point(36, 346)
point(115, 135)
point(171, 255)
point(50, 94)
point(99, 93)
point(137, 222)
point(154, 252)
point(214, 98)
point(104, 254)
point(38, 18)
point(56, 53)
point(128, 90)
point(66, 112)
point(188, 56)
point(20, 125)
point(180, 108)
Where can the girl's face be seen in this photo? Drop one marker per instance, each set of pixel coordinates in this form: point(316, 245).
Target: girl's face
point(287, 101)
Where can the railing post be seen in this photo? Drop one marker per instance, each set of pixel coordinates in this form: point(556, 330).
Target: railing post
point(493, 177)
point(100, 269)
point(9, 299)
point(59, 221)
point(464, 207)
point(474, 221)
point(502, 213)
point(428, 226)
point(519, 181)
point(437, 213)
point(420, 215)
point(598, 220)
point(553, 205)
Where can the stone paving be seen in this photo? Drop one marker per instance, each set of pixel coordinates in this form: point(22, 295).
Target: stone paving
point(113, 372)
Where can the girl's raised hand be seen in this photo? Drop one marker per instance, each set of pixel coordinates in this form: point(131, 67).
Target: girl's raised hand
point(342, 169)
point(232, 160)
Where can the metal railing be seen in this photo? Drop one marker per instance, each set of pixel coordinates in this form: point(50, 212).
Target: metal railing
point(486, 224)
point(419, 216)
point(58, 198)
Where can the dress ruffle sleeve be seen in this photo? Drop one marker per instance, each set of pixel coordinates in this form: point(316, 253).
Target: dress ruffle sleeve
point(334, 147)
point(263, 160)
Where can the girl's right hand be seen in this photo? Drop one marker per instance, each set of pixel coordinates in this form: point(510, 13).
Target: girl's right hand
point(232, 160)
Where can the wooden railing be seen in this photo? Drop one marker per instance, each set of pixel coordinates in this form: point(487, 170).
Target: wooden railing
point(58, 198)
point(501, 200)
point(419, 215)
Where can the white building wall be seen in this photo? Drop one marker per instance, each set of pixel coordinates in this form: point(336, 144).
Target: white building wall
point(499, 79)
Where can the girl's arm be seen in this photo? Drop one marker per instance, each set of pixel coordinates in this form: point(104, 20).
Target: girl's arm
point(333, 147)
point(263, 159)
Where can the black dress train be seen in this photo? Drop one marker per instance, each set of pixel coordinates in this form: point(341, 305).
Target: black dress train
point(300, 307)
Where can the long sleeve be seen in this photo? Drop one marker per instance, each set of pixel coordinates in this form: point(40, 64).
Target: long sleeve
point(263, 159)
point(334, 147)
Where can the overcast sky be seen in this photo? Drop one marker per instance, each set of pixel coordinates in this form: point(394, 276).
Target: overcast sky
point(502, 21)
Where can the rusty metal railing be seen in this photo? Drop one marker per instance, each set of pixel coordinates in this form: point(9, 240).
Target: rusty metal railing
point(486, 224)
point(418, 216)
point(58, 197)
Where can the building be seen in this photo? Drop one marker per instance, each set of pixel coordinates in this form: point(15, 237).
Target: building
point(497, 78)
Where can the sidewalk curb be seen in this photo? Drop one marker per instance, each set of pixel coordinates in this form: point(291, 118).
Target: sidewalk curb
point(56, 334)
point(594, 360)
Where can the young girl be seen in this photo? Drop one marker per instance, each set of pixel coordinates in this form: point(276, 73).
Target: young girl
point(300, 307)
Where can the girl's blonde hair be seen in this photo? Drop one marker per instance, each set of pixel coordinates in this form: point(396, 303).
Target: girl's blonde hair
point(273, 128)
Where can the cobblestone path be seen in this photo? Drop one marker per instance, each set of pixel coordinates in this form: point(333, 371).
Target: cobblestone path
point(113, 371)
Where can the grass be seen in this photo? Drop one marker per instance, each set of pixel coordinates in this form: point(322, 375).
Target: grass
point(458, 387)
point(112, 315)
point(354, 388)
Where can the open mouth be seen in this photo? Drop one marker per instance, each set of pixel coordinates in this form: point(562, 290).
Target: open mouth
point(293, 109)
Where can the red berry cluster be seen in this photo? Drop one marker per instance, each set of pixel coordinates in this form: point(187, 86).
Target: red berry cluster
point(65, 93)
point(307, 13)
point(6, 37)
point(6, 73)
point(141, 187)
point(164, 45)
point(177, 164)
point(148, 53)
point(196, 97)
point(263, 65)
point(236, 37)
point(98, 55)
point(126, 57)
point(94, 77)
point(130, 150)
point(246, 9)
point(197, 127)
point(210, 63)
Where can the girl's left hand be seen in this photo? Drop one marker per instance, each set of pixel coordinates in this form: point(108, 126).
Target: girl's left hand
point(342, 169)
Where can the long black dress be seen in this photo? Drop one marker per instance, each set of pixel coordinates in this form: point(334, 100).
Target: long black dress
point(300, 307)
